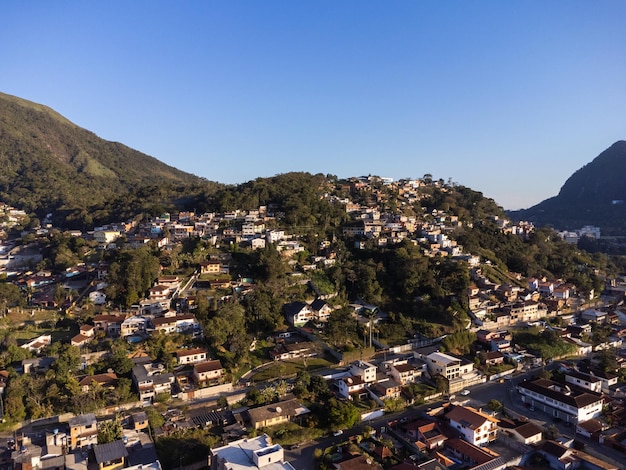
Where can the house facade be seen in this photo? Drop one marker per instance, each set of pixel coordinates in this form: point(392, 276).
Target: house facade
point(475, 427)
point(208, 372)
point(110, 456)
point(365, 370)
point(404, 373)
point(449, 366)
point(134, 325)
point(349, 386)
point(110, 325)
point(83, 431)
point(276, 413)
point(151, 379)
point(191, 356)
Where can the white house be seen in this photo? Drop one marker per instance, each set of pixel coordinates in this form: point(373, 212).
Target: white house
point(476, 427)
point(449, 366)
point(586, 381)
point(365, 370)
point(561, 401)
point(348, 386)
point(191, 356)
point(97, 297)
point(134, 325)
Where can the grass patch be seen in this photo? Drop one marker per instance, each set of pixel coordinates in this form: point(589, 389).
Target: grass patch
point(498, 368)
point(287, 434)
point(282, 369)
point(18, 316)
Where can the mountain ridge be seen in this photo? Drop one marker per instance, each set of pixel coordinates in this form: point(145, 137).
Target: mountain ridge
point(593, 195)
point(48, 161)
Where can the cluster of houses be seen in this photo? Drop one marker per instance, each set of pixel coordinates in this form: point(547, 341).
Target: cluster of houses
point(458, 434)
point(195, 374)
point(574, 236)
point(10, 217)
point(371, 221)
point(253, 228)
point(496, 306)
point(464, 432)
point(73, 445)
point(383, 378)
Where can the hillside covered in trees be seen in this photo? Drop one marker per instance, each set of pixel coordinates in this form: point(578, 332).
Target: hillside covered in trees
point(50, 164)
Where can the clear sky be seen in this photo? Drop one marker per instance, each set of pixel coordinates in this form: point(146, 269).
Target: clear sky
point(506, 97)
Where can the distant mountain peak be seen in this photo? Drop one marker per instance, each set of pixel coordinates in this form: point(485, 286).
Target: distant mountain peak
point(592, 195)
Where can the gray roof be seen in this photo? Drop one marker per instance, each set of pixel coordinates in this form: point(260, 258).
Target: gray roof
point(53, 462)
point(82, 420)
point(141, 454)
point(140, 373)
point(161, 379)
point(110, 451)
point(209, 418)
point(139, 416)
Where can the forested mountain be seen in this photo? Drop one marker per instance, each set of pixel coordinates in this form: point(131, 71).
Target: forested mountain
point(594, 195)
point(50, 164)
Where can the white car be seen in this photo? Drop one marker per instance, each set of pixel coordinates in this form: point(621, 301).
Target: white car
point(465, 392)
point(339, 432)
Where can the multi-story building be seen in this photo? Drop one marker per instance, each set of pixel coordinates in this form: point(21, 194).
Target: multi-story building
point(365, 370)
point(83, 431)
point(185, 323)
point(151, 380)
point(208, 372)
point(561, 401)
point(521, 312)
point(450, 367)
point(476, 427)
point(210, 267)
point(105, 237)
point(299, 313)
point(191, 356)
point(404, 372)
point(110, 325)
point(586, 381)
point(134, 325)
point(349, 386)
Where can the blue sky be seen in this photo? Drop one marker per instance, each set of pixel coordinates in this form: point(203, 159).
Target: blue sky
point(506, 97)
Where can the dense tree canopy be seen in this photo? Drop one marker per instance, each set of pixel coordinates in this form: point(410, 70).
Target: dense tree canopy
point(131, 273)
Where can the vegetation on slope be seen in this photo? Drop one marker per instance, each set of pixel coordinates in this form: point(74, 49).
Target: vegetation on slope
point(49, 163)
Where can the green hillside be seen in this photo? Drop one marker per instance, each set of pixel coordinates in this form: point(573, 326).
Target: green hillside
point(50, 164)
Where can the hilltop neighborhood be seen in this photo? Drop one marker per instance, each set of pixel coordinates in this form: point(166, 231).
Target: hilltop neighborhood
point(154, 354)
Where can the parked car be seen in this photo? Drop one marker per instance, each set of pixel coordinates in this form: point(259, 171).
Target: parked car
point(465, 392)
point(338, 432)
